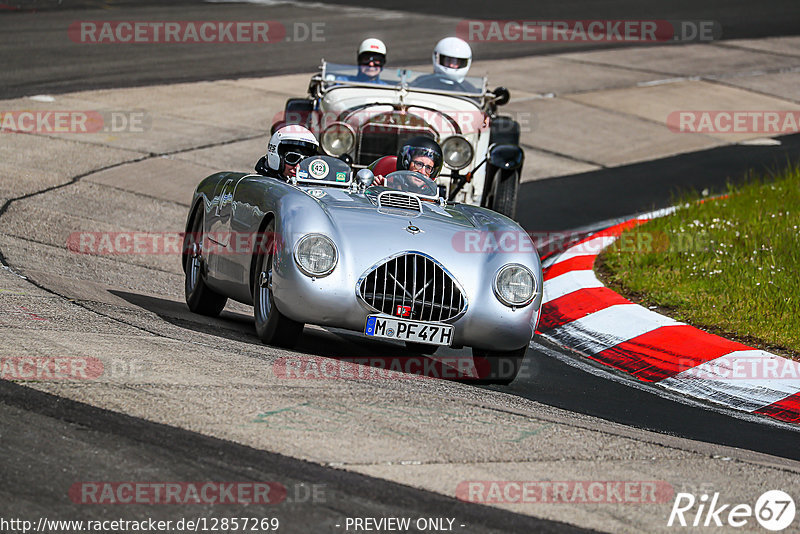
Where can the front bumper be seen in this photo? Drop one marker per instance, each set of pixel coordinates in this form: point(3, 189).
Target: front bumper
point(333, 301)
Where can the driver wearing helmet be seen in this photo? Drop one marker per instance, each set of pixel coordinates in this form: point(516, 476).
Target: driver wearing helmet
point(452, 58)
point(287, 147)
point(371, 59)
point(420, 154)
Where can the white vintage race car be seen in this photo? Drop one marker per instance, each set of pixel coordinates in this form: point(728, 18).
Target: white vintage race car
point(362, 121)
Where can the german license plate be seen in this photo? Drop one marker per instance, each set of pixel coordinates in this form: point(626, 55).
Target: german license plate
point(404, 330)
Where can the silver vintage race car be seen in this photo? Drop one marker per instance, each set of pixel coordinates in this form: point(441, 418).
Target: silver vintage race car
point(395, 261)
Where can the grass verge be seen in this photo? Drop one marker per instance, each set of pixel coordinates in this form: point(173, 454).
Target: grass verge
point(730, 265)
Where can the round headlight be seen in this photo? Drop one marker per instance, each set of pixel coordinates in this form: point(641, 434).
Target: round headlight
point(514, 285)
point(457, 152)
point(316, 255)
point(337, 139)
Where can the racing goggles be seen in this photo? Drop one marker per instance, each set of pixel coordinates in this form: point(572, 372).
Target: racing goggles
point(293, 152)
point(453, 62)
point(367, 59)
point(293, 158)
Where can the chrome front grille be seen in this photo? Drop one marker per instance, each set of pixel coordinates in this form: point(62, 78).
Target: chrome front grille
point(393, 199)
point(412, 286)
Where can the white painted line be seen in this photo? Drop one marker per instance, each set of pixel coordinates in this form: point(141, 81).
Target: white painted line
point(657, 213)
point(621, 377)
point(761, 141)
point(609, 327)
point(664, 81)
point(744, 380)
point(567, 283)
point(590, 247)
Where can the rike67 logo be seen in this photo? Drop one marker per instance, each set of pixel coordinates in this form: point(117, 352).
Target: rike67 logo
point(774, 510)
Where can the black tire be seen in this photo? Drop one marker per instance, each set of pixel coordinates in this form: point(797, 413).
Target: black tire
point(272, 327)
point(503, 366)
point(421, 348)
point(505, 190)
point(199, 297)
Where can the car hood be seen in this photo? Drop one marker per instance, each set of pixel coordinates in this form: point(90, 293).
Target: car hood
point(449, 233)
point(355, 209)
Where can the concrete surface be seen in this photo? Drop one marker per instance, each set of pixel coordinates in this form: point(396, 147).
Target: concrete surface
point(213, 376)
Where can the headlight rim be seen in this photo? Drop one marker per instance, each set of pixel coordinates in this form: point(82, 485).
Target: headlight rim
point(468, 160)
point(499, 296)
point(349, 129)
point(300, 265)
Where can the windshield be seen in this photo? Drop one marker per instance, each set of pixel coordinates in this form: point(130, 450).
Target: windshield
point(412, 182)
point(335, 74)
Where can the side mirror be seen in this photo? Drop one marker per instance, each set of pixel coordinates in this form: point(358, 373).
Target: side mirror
point(501, 96)
point(364, 177)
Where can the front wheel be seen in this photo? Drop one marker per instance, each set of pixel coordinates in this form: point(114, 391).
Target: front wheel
point(505, 189)
point(199, 297)
point(498, 366)
point(272, 327)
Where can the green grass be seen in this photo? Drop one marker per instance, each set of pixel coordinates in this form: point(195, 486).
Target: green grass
point(729, 265)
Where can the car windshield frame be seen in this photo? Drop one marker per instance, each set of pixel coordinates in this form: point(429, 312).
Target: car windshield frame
point(337, 75)
point(400, 181)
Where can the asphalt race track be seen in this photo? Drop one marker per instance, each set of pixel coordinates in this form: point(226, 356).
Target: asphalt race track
point(38, 58)
point(48, 441)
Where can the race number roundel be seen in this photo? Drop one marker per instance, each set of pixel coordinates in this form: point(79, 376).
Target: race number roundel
point(318, 169)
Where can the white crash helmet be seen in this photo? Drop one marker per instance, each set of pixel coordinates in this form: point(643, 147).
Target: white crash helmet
point(452, 49)
point(290, 138)
point(371, 46)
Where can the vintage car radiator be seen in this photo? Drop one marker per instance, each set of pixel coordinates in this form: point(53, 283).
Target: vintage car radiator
point(381, 137)
point(414, 286)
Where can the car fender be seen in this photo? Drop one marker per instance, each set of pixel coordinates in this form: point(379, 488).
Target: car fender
point(506, 157)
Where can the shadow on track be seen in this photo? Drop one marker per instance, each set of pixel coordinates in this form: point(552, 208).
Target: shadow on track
point(551, 381)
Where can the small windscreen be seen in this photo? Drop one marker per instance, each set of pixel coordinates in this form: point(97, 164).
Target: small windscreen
point(342, 75)
point(412, 182)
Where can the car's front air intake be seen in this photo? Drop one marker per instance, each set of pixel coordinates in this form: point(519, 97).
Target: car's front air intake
point(412, 286)
point(394, 199)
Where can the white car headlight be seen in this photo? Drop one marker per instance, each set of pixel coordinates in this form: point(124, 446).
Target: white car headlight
point(514, 285)
point(337, 139)
point(457, 152)
point(316, 255)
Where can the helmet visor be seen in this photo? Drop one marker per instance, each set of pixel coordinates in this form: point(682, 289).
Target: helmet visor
point(453, 62)
point(367, 58)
